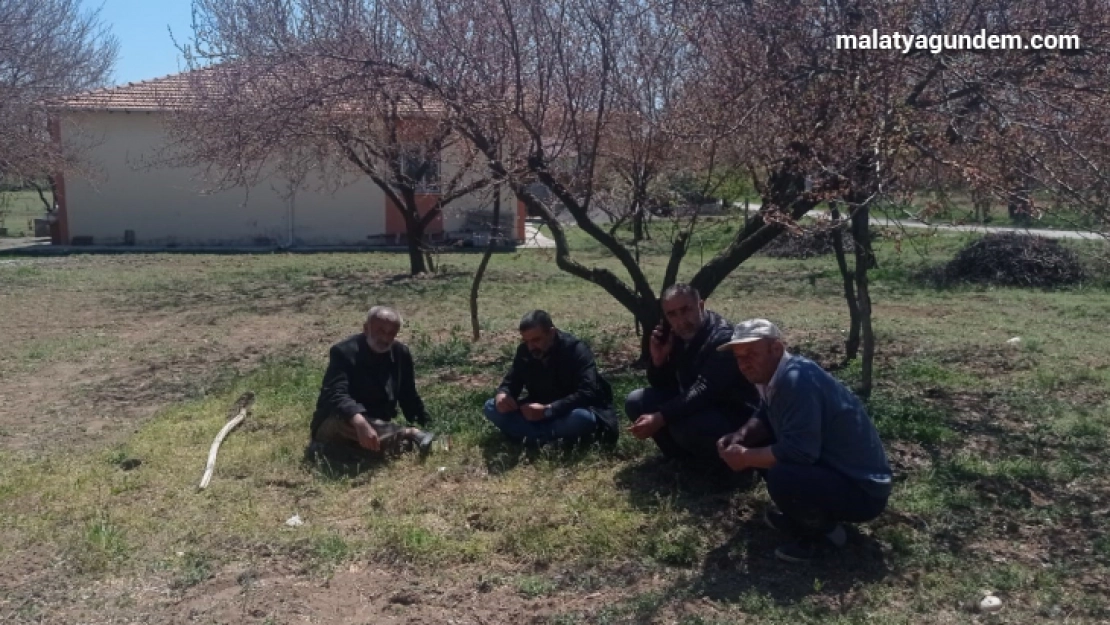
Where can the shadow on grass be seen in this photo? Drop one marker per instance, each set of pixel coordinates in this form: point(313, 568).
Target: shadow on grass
point(502, 455)
point(337, 463)
point(745, 569)
point(656, 479)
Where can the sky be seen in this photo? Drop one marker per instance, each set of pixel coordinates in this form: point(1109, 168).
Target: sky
point(143, 29)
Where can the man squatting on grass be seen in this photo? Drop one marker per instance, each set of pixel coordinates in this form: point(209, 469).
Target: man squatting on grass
point(567, 399)
point(368, 375)
point(813, 441)
point(696, 394)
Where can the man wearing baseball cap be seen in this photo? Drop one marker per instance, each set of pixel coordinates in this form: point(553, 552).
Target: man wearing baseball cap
point(813, 441)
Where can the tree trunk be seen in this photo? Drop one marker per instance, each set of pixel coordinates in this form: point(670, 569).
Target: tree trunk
point(648, 317)
point(851, 346)
point(414, 233)
point(476, 284)
point(638, 225)
point(860, 219)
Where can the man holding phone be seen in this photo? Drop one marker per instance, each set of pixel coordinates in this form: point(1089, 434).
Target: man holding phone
point(553, 391)
point(696, 394)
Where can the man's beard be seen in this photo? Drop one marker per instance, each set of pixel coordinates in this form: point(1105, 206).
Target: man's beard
point(537, 354)
point(379, 347)
point(687, 336)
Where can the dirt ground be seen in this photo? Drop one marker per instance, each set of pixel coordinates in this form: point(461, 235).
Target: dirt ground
point(94, 346)
point(138, 360)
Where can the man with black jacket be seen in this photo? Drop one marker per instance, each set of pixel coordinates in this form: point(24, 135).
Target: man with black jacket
point(696, 395)
point(566, 397)
point(368, 376)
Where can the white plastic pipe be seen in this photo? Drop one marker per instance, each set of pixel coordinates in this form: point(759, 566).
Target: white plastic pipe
point(244, 404)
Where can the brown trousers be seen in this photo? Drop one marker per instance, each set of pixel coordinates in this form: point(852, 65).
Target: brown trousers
point(338, 432)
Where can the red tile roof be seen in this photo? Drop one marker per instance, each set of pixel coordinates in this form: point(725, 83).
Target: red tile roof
point(156, 94)
point(178, 91)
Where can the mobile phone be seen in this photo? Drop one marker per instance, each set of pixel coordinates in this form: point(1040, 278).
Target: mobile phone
point(665, 329)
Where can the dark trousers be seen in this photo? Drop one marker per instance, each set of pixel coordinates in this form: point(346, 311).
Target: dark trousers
point(815, 498)
point(692, 439)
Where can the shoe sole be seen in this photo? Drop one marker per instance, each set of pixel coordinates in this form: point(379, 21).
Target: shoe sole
point(771, 524)
point(425, 444)
point(788, 558)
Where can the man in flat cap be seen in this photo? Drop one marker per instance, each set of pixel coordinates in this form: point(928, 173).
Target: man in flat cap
point(813, 441)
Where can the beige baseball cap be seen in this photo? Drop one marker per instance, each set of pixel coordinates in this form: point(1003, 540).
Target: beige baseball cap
point(752, 330)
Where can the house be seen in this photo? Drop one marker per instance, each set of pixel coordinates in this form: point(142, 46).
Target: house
point(123, 197)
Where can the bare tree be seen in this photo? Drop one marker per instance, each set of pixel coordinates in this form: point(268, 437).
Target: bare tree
point(48, 49)
point(280, 90)
point(862, 124)
point(601, 97)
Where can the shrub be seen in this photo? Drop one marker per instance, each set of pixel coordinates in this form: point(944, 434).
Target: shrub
point(1015, 260)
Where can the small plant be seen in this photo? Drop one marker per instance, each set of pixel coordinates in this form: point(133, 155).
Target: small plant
point(453, 352)
point(102, 545)
point(192, 569)
point(677, 546)
point(330, 549)
point(533, 586)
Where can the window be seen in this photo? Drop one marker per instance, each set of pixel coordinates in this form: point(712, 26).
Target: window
point(425, 171)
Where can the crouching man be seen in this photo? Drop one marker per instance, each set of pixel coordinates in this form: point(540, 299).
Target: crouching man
point(811, 437)
point(564, 396)
point(696, 394)
point(368, 376)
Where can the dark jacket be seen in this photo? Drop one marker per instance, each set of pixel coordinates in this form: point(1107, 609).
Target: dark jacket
point(704, 378)
point(358, 380)
point(565, 379)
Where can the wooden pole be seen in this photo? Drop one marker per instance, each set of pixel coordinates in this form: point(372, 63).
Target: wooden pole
point(242, 407)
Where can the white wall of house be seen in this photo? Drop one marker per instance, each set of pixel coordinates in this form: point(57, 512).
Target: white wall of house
point(166, 206)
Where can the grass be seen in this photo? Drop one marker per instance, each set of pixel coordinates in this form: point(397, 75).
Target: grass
point(957, 207)
point(1000, 450)
point(18, 209)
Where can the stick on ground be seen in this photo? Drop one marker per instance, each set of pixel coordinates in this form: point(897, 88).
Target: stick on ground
point(242, 409)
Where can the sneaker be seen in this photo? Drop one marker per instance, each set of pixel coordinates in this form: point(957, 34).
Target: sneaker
point(807, 549)
point(804, 550)
point(424, 442)
point(776, 520)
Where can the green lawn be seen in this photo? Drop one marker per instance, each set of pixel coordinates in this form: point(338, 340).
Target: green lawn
point(18, 209)
point(957, 207)
point(1000, 452)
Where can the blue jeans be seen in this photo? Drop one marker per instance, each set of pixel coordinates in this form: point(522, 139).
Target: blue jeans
point(576, 425)
point(815, 498)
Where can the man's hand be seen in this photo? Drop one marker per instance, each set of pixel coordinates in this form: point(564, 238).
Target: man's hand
point(647, 425)
point(504, 403)
point(754, 433)
point(728, 440)
point(660, 345)
point(367, 435)
point(733, 455)
point(533, 412)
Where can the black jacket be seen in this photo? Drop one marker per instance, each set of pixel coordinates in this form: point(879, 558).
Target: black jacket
point(358, 380)
point(565, 379)
point(704, 377)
